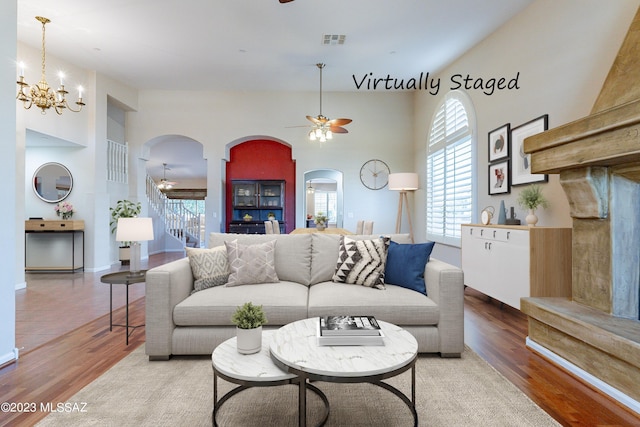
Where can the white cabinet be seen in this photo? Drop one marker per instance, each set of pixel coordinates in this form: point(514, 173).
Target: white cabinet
point(511, 262)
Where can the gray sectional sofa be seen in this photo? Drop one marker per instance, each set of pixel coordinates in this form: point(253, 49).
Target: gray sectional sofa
point(183, 322)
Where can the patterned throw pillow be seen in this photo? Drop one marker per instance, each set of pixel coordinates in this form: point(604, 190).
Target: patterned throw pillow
point(209, 267)
point(251, 264)
point(361, 262)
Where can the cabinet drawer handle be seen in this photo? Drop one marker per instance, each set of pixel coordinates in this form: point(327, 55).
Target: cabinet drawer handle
point(494, 234)
point(481, 232)
point(508, 233)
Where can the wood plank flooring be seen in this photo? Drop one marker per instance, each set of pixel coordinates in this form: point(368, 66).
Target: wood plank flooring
point(67, 345)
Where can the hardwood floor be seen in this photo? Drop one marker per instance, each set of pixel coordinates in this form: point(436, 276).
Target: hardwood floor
point(67, 345)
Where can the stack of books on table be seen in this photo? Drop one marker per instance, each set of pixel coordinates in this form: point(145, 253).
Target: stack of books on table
point(349, 330)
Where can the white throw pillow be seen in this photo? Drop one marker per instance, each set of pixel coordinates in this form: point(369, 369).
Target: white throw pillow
point(251, 264)
point(209, 267)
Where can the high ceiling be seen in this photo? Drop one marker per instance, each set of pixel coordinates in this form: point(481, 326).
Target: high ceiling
point(259, 44)
point(256, 45)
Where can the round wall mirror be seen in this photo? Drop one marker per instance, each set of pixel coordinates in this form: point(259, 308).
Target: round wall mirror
point(52, 182)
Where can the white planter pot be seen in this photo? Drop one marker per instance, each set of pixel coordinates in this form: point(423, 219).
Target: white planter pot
point(124, 254)
point(249, 340)
point(532, 219)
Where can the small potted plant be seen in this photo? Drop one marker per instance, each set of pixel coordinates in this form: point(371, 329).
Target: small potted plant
point(247, 217)
point(249, 319)
point(124, 209)
point(531, 198)
point(321, 221)
point(271, 216)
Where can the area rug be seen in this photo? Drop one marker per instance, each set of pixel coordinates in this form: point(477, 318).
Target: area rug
point(179, 392)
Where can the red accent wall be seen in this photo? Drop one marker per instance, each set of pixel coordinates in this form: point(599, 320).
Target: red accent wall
point(263, 159)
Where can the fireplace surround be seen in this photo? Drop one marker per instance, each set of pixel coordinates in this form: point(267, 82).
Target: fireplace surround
point(596, 332)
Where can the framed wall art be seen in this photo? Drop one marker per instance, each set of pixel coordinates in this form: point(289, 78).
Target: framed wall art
point(498, 143)
point(521, 162)
point(499, 178)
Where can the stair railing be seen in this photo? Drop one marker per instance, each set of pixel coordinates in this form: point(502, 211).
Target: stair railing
point(180, 222)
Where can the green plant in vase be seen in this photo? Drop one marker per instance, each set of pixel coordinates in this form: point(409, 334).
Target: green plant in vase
point(249, 319)
point(532, 198)
point(321, 221)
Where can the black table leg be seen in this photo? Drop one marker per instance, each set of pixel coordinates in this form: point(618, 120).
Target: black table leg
point(110, 307)
point(127, 315)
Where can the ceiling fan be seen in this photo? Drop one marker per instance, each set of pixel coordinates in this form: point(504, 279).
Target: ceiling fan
point(164, 184)
point(285, 1)
point(324, 128)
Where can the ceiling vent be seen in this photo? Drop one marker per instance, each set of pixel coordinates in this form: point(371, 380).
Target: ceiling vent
point(333, 39)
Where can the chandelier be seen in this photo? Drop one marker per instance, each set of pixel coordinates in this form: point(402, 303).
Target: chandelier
point(41, 94)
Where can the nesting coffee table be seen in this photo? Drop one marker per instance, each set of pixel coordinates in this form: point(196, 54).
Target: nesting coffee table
point(291, 355)
point(294, 350)
point(251, 370)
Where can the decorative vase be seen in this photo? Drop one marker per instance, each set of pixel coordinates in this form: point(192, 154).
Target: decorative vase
point(502, 213)
point(249, 341)
point(320, 226)
point(532, 219)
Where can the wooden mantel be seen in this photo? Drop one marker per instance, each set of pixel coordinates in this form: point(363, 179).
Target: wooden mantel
point(597, 330)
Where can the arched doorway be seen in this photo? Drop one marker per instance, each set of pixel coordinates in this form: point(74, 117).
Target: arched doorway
point(323, 192)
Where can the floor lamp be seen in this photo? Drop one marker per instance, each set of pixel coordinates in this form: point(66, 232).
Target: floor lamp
point(134, 230)
point(403, 182)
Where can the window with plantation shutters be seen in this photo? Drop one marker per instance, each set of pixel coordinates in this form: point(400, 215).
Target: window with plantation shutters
point(450, 183)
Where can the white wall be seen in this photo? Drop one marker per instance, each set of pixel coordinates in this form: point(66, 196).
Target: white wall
point(381, 129)
point(563, 52)
point(12, 212)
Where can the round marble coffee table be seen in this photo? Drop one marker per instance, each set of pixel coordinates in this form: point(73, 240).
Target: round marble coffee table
point(295, 350)
point(251, 370)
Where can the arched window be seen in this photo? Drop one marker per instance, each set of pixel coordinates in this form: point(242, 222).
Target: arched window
point(450, 180)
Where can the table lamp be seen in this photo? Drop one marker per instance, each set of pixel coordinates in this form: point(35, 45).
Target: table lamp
point(134, 230)
point(403, 182)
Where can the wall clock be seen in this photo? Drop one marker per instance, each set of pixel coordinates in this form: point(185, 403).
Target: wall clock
point(374, 174)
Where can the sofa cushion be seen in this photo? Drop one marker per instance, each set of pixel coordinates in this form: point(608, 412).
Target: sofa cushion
point(209, 267)
point(292, 257)
point(361, 262)
point(282, 302)
point(406, 263)
point(396, 304)
point(251, 264)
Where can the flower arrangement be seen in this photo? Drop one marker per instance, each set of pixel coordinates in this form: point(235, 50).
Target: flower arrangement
point(532, 197)
point(249, 316)
point(321, 218)
point(64, 209)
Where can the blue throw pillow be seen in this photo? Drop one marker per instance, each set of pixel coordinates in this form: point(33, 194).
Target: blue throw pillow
point(405, 265)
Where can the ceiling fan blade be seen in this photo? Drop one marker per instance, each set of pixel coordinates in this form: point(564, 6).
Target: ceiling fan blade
point(340, 122)
point(285, 1)
point(338, 129)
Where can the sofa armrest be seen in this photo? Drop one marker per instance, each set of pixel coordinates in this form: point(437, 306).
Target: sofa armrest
point(445, 285)
point(166, 286)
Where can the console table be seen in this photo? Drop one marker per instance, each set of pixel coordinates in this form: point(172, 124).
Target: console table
point(51, 245)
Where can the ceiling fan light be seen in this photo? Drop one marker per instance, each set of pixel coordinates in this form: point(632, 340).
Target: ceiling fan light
point(319, 133)
point(312, 135)
point(329, 134)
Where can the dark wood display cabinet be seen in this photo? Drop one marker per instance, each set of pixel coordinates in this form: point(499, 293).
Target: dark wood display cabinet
point(254, 201)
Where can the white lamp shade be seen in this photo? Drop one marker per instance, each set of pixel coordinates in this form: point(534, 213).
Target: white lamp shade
point(134, 229)
point(405, 181)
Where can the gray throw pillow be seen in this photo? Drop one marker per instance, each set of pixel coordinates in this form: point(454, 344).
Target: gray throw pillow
point(209, 267)
point(251, 264)
point(362, 262)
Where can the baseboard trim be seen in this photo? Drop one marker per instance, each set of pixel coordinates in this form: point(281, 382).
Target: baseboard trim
point(9, 358)
point(597, 383)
